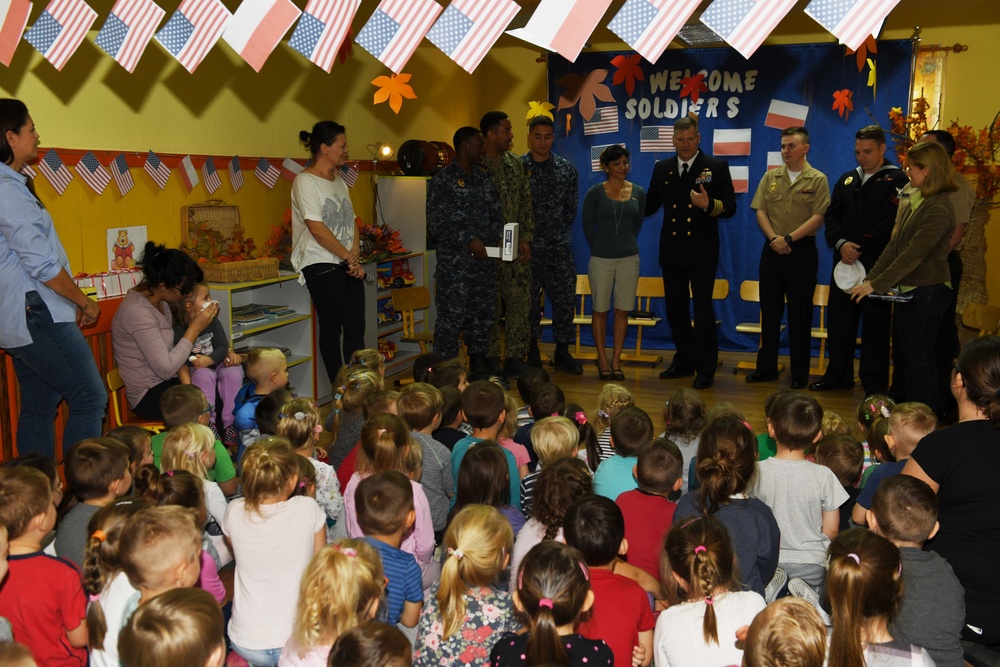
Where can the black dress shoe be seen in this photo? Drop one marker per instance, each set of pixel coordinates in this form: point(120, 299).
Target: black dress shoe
point(703, 382)
point(798, 384)
point(675, 372)
point(829, 386)
point(757, 376)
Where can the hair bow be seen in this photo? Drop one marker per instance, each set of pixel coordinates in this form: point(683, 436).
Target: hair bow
point(580, 417)
point(299, 416)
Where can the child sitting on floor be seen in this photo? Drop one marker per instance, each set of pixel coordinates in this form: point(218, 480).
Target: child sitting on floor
point(631, 430)
point(684, 414)
point(267, 369)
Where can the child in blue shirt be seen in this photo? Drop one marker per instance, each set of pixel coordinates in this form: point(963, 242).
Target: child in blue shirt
point(484, 408)
point(267, 369)
point(631, 430)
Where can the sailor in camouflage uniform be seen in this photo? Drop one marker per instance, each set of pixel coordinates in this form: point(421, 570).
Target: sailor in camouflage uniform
point(554, 186)
point(514, 278)
point(463, 214)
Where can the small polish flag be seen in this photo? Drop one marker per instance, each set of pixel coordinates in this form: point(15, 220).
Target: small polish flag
point(13, 20)
point(782, 115)
point(258, 26)
point(188, 173)
point(774, 160)
point(741, 178)
point(290, 169)
point(731, 142)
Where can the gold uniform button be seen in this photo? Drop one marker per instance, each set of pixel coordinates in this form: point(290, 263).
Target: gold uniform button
point(689, 220)
point(675, 205)
point(689, 233)
point(689, 205)
point(673, 233)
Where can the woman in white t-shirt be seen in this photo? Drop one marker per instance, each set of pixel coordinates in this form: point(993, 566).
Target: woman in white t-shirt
point(325, 245)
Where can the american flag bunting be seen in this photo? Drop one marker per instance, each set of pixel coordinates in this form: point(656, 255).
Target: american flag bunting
point(55, 170)
point(850, 21)
point(158, 171)
point(604, 121)
point(745, 24)
point(210, 175)
point(93, 172)
point(656, 138)
point(648, 26)
point(395, 29)
point(266, 172)
point(349, 172)
point(469, 28)
point(28, 171)
point(121, 174)
point(193, 30)
point(323, 27)
point(257, 27)
point(60, 30)
point(126, 33)
point(235, 173)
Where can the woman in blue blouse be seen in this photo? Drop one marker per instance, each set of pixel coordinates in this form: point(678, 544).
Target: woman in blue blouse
point(43, 308)
point(612, 216)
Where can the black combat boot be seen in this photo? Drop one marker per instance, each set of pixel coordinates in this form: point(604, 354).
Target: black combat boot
point(478, 368)
point(534, 354)
point(565, 362)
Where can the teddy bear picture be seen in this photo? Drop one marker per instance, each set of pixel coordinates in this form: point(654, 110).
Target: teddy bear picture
point(122, 247)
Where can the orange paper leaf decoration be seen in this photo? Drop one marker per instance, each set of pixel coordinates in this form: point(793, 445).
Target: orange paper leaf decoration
point(627, 71)
point(393, 88)
point(585, 90)
point(843, 103)
point(694, 86)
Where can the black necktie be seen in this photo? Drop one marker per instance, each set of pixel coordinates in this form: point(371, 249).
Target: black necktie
point(684, 170)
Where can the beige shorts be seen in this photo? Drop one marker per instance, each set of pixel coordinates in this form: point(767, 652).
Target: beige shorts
point(619, 273)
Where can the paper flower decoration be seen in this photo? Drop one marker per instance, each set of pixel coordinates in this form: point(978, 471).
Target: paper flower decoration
point(694, 86)
point(393, 88)
point(627, 71)
point(586, 90)
point(539, 109)
point(842, 102)
point(872, 77)
point(870, 46)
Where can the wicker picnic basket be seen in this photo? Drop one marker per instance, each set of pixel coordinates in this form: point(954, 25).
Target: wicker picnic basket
point(224, 219)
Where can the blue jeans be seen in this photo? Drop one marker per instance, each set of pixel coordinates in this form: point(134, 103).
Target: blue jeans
point(266, 657)
point(57, 365)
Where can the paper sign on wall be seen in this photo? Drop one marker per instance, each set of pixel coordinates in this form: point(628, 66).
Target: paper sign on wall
point(124, 247)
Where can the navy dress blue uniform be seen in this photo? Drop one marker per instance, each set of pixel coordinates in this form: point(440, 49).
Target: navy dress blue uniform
point(461, 207)
point(689, 253)
point(861, 211)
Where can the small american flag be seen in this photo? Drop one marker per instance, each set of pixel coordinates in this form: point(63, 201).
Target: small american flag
point(324, 26)
point(595, 156)
point(745, 24)
point(55, 170)
point(656, 138)
point(158, 171)
point(266, 172)
point(850, 21)
point(648, 26)
point(235, 173)
point(604, 121)
point(193, 30)
point(28, 171)
point(349, 172)
point(60, 30)
point(121, 174)
point(210, 176)
point(93, 172)
point(126, 33)
point(469, 28)
point(395, 29)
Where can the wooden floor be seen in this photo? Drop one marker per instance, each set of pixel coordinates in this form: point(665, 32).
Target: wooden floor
point(651, 392)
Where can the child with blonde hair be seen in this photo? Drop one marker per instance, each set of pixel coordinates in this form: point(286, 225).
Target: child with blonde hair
point(612, 399)
point(684, 414)
point(300, 424)
point(364, 358)
point(341, 589)
point(553, 438)
point(347, 415)
point(191, 447)
point(834, 424)
point(552, 593)
point(267, 368)
point(699, 576)
point(106, 584)
point(274, 536)
point(380, 401)
point(505, 437)
point(466, 612)
point(179, 627)
point(788, 633)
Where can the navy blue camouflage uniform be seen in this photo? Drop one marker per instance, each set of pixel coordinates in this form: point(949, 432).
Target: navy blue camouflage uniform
point(461, 207)
point(554, 196)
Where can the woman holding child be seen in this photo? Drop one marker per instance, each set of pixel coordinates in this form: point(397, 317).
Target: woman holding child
point(43, 308)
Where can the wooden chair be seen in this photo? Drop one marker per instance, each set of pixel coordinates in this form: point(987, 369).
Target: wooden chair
point(406, 301)
point(821, 299)
point(119, 407)
point(750, 292)
point(649, 288)
point(982, 317)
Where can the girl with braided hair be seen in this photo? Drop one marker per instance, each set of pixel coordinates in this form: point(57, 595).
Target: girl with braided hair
point(612, 399)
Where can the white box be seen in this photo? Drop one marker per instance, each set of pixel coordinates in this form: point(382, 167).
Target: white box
point(507, 251)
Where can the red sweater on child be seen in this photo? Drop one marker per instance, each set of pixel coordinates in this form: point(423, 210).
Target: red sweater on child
point(621, 611)
point(648, 518)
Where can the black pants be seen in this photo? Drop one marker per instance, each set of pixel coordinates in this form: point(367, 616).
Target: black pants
point(787, 278)
point(148, 406)
point(947, 346)
point(340, 311)
point(916, 327)
point(842, 317)
point(697, 348)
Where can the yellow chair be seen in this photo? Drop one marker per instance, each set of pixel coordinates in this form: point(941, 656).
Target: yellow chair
point(821, 299)
point(406, 301)
point(119, 406)
point(649, 288)
point(750, 292)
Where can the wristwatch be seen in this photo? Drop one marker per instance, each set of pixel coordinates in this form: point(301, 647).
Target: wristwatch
point(788, 239)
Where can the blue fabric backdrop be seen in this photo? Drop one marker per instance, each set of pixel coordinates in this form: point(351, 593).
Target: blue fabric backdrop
point(800, 74)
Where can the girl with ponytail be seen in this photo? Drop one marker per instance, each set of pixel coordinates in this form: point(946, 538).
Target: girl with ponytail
point(553, 591)
point(347, 414)
point(865, 587)
point(300, 424)
point(106, 585)
point(725, 467)
point(699, 576)
point(466, 613)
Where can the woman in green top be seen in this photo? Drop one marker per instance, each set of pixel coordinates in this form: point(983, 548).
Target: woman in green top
point(916, 261)
point(612, 216)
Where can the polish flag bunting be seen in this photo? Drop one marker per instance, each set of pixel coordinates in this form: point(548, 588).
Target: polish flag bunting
point(158, 171)
point(266, 172)
point(128, 30)
point(745, 24)
point(188, 173)
point(235, 173)
point(656, 139)
point(55, 170)
point(395, 29)
point(731, 142)
point(93, 172)
point(322, 29)
point(210, 175)
point(469, 28)
point(604, 121)
point(349, 172)
point(258, 26)
point(29, 172)
point(60, 30)
point(121, 174)
point(290, 169)
point(851, 21)
point(648, 26)
point(595, 156)
point(193, 30)
point(741, 178)
point(13, 20)
point(563, 26)
point(774, 160)
point(782, 115)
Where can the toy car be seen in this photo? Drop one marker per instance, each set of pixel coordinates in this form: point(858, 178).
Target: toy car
point(401, 274)
point(386, 313)
point(384, 272)
point(387, 349)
